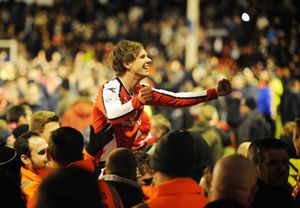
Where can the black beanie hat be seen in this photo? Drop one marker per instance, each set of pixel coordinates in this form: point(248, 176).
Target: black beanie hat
point(180, 153)
point(10, 163)
point(7, 155)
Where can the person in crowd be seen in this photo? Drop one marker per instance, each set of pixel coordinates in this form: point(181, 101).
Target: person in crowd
point(10, 179)
point(271, 159)
point(18, 115)
point(79, 114)
point(243, 148)
point(296, 142)
point(121, 101)
point(264, 99)
point(18, 131)
point(287, 135)
point(144, 170)
point(121, 172)
point(160, 126)
point(205, 181)
point(296, 135)
point(67, 97)
point(176, 161)
point(231, 188)
point(43, 122)
point(66, 150)
point(291, 101)
point(31, 149)
point(69, 187)
point(209, 133)
point(233, 117)
point(10, 164)
point(4, 133)
point(253, 124)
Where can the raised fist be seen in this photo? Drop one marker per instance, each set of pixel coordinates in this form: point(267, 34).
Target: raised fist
point(145, 94)
point(224, 87)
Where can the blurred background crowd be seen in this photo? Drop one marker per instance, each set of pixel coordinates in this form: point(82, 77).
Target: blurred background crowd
point(54, 55)
point(63, 57)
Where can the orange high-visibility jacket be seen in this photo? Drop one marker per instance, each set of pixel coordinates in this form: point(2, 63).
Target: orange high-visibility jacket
point(30, 183)
point(177, 193)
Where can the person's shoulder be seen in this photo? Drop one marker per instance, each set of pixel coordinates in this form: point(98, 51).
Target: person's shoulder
point(112, 85)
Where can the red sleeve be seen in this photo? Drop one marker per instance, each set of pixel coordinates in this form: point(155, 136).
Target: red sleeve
point(182, 99)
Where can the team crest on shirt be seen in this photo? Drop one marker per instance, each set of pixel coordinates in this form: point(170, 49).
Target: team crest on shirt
point(110, 96)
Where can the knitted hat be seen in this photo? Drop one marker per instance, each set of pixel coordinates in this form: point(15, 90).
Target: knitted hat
point(181, 153)
point(7, 155)
point(10, 163)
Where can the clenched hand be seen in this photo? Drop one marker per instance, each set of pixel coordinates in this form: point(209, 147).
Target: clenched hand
point(145, 94)
point(223, 87)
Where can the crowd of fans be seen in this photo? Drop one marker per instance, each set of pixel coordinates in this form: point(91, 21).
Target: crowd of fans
point(63, 57)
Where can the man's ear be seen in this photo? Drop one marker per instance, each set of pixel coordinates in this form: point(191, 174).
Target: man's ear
point(25, 159)
point(127, 65)
point(49, 158)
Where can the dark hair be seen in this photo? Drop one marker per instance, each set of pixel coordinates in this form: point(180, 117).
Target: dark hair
point(20, 130)
point(258, 147)
point(21, 144)
point(66, 145)
point(122, 162)
point(251, 103)
point(70, 187)
point(65, 84)
point(143, 161)
point(15, 112)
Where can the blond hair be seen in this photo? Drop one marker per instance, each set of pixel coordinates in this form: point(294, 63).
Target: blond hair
point(39, 119)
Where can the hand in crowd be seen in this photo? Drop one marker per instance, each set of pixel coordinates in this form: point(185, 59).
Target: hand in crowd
point(223, 87)
point(100, 139)
point(145, 94)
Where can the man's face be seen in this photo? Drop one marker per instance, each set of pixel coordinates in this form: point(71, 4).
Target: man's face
point(48, 128)
point(275, 168)
point(38, 147)
point(296, 140)
point(140, 66)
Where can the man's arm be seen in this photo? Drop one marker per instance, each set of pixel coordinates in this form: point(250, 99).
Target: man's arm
point(158, 97)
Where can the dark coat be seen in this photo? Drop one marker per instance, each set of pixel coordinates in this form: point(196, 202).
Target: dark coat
point(129, 191)
point(271, 196)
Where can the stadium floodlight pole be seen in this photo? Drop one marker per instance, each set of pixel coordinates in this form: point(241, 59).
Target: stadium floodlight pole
point(192, 42)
